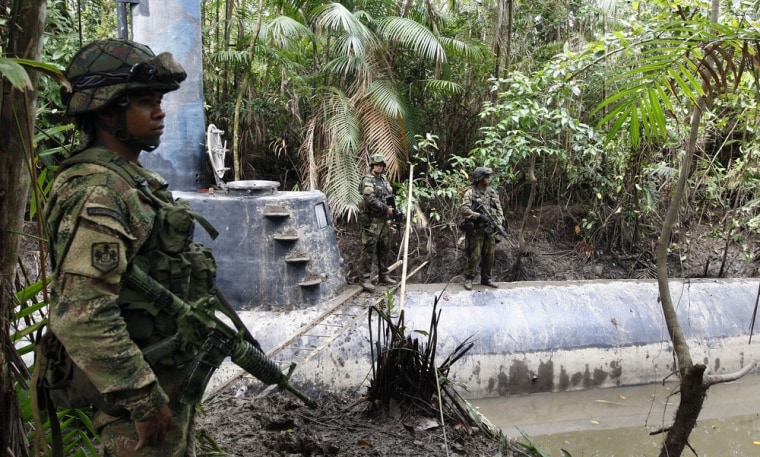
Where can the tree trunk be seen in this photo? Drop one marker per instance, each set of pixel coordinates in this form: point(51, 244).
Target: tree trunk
point(510, 15)
point(24, 40)
point(498, 39)
point(693, 388)
point(686, 419)
point(517, 273)
point(236, 159)
point(693, 393)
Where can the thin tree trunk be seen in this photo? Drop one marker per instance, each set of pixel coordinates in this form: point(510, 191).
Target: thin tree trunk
point(510, 11)
point(680, 345)
point(499, 38)
point(693, 393)
point(242, 91)
point(521, 244)
point(24, 40)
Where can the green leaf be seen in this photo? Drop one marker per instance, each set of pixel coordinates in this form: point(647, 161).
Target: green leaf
point(15, 73)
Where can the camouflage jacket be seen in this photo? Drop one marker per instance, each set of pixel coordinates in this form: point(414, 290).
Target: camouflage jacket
point(473, 198)
point(374, 191)
point(97, 222)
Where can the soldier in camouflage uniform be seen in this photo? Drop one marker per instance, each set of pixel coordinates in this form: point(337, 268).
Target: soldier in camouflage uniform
point(481, 239)
point(375, 214)
point(98, 223)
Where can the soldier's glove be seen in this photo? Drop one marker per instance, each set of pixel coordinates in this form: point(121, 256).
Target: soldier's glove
point(483, 218)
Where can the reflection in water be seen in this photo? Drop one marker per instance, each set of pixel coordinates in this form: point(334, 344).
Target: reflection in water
point(617, 422)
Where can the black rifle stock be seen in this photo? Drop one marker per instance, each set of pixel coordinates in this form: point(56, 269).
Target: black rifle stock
point(492, 220)
point(199, 323)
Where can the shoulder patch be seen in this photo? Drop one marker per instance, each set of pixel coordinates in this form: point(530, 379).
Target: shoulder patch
point(105, 256)
point(95, 210)
point(104, 211)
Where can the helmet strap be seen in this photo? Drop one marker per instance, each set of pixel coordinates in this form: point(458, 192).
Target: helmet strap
point(122, 133)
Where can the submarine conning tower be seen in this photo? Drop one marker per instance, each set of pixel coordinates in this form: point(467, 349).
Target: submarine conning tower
point(275, 249)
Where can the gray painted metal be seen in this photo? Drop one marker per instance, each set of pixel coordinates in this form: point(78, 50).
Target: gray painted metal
point(275, 250)
point(544, 336)
point(174, 26)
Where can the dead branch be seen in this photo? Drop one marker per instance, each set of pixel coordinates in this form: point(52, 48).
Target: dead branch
point(709, 380)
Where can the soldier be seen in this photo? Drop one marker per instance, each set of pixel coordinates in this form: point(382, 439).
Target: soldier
point(482, 214)
point(104, 213)
point(374, 216)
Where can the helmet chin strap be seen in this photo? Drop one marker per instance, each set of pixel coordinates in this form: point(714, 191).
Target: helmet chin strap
point(121, 132)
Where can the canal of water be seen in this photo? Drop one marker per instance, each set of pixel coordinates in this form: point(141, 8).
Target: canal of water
point(617, 422)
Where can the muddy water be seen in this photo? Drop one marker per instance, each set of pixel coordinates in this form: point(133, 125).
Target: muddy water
point(617, 422)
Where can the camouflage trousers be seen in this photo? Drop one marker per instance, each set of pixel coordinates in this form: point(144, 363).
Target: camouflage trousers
point(481, 249)
point(376, 241)
point(118, 436)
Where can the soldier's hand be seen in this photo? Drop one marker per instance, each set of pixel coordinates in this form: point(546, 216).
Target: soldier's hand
point(389, 211)
point(154, 430)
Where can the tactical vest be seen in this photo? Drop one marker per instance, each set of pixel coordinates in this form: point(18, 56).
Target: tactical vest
point(381, 191)
point(169, 255)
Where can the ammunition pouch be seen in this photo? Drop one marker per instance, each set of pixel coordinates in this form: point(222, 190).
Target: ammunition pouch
point(65, 384)
point(467, 226)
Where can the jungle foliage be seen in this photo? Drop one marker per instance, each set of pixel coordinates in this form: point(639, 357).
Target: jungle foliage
point(320, 86)
point(589, 106)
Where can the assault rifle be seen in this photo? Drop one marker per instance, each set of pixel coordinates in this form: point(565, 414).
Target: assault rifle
point(492, 224)
point(397, 217)
point(204, 334)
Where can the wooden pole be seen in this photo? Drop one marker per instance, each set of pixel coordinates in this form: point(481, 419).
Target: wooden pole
point(407, 225)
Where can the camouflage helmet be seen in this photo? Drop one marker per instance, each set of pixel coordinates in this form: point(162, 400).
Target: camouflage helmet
point(376, 159)
point(104, 70)
point(480, 173)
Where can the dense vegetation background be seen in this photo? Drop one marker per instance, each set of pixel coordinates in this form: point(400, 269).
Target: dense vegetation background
point(639, 119)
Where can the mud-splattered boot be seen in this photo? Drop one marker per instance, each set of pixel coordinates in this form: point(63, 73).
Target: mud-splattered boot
point(385, 279)
point(367, 284)
point(468, 284)
point(488, 282)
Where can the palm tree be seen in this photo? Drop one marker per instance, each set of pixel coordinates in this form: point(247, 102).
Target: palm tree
point(362, 107)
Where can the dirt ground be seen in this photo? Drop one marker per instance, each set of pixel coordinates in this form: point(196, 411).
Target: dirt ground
point(344, 424)
point(341, 425)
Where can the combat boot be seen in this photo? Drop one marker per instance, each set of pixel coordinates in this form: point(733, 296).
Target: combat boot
point(468, 284)
point(367, 284)
point(385, 279)
point(489, 283)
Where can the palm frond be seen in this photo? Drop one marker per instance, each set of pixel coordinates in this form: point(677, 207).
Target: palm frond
point(414, 36)
point(382, 135)
point(284, 31)
point(463, 48)
point(341, 183)
point(386, 98)
point(341, 123)
point(348, 66)
point(351, 45)
point(682, 61)
point(442, 86)
point(229, 56)
point(336, 18)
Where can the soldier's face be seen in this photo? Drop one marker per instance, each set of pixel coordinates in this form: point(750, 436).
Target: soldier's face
point(144, 116)
point(378, 168)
